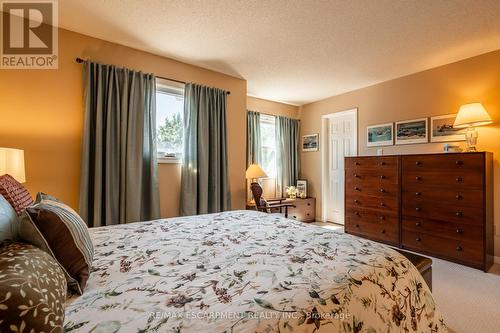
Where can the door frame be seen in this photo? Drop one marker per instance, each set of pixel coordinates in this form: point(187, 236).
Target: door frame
point(325, 151)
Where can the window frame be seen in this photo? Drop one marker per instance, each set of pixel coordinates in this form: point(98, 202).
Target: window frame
point(271, 120)
point(173, 88)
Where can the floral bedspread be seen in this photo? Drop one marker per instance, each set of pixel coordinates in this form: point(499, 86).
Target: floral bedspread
point(245, 271)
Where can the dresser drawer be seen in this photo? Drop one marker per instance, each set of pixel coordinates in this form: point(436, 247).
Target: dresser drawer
point(388, 233)
point(442, 212)
point(372, 189)
point(453, 179)
point(358, 201)
point(467, 252)
point(371, 216)
point(430, 195)
point(373, 176)
point(457, 231)
point(466, 163)
point(380, 163)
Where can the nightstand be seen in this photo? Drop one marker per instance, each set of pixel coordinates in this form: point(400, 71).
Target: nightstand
point(304, 210)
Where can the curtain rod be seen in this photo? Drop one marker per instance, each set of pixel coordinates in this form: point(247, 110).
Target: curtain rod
point(80, 60)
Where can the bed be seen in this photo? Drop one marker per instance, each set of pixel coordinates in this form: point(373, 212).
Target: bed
point(245, 271)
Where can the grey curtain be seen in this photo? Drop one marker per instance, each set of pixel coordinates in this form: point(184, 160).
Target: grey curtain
point(204, 180)
point(119, 170)
point(287, 153)
point(254, 145)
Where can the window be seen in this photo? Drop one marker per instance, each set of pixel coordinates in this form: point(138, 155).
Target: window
point(169, 121)
point(268, 143)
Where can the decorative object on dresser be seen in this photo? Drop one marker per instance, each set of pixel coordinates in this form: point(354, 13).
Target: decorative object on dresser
point(303, 210)
point(411, 131)
point(470, 116)
point(446, 206)
point(268, 205)
point(372, 197)
point(442, 129)
point(310, 142)
point(302, 188)
point(380, 135)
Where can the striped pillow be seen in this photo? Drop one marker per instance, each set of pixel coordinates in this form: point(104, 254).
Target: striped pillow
point(59, 230)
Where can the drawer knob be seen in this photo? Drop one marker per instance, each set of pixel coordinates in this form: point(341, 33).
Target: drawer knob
point(459, 248)
point(382, 177)
point(307, 214)
point(418, 239)
point(459, 179)
point(356, 163)
point(459, 231)
point(382, 217)
point(418, 163)
point(459, 214)
point(357, 225)
point(459, 197)
point(356, 175)
point(418, 224)
point(356, 188)
point(382, 231)
point(382, 190)
point(418, 209)
point(459, 162)
point(356, 201)
point(418, 178)
point(418, 194)
point(382, 204)
point(356, 213)
point(309, 204)
point(382, 163)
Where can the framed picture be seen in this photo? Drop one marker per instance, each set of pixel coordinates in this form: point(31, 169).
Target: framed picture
point(412, 131)
point(310, 142)
point(302, 188)
point(380, 135)
point(442, 129)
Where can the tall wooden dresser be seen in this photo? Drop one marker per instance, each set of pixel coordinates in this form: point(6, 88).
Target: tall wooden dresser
point(372, 198)
point(444, 204)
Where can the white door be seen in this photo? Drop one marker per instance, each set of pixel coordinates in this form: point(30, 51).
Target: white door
point(341, 140)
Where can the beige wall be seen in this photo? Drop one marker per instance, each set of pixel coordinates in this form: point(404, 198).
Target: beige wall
point(433, 92)
point(41, 111)
point(273, 108)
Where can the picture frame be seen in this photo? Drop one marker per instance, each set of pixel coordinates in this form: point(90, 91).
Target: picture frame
point(380, 135)
point(412, 131)
point(442, 130)
point(301, 188)
point(310, 142)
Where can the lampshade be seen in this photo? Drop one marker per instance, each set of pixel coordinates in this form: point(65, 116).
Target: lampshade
point(12, 163)
point(255, 171)
point(470, 115)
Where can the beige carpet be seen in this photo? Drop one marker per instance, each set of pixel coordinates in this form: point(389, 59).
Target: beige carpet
point(468, 298)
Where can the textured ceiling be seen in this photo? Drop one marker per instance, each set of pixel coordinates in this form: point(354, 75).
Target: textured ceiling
point(296, 51)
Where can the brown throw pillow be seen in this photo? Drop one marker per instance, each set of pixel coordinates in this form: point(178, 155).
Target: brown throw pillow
point(57, 229)
point(32, 290)
point(15, 193)
point(60, 240)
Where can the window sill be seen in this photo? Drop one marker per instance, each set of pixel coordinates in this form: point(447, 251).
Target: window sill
point(164, 160)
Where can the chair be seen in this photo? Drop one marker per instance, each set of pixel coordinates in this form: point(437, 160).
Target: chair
point(268, 205)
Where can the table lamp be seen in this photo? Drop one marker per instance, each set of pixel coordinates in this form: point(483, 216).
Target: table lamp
point(254, 172)
point(471, 116)
point(12, 163)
